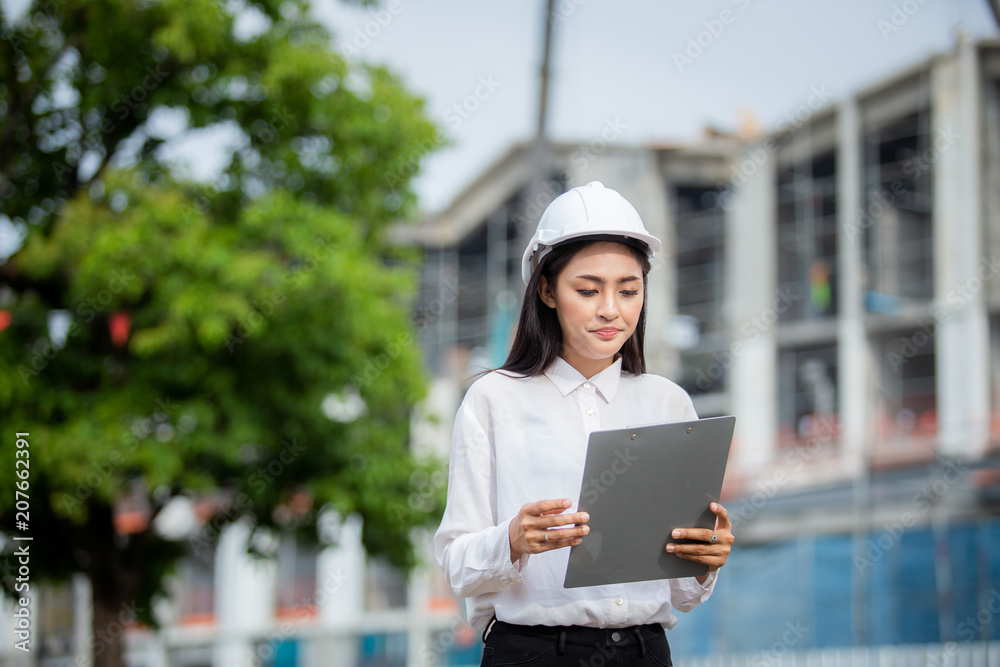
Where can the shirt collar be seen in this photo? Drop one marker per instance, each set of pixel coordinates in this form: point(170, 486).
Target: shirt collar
point(566, 378)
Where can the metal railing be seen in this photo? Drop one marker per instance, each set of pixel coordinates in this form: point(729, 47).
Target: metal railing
point(950, 654)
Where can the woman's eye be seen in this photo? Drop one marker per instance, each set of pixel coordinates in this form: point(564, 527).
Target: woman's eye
point(587, 292)
point(630, 292)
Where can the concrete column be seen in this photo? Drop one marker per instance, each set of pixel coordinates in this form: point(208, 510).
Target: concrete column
point(434, 418)
point(853, 392)
point(244, 598)
point(83, 615)
point(751, 288)
point(340, 594)
point(500, 309)
point(961, 266)
point(418, 648)
point(635, 174)
point(648, 192)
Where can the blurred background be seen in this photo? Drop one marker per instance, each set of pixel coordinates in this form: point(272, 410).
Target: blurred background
point(254, 252)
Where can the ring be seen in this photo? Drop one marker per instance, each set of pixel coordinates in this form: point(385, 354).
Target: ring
point(546, 536)
point(715, 538)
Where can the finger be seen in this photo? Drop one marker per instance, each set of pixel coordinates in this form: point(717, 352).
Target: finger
point(701, 534)
point(705, 560)
point(713, 559)
point(562, 544)
point(558, 538)
point(566, 541)
point(723, 515)
point(543, 507)
point(562, 520)
point(567, 533)
point(699, 552)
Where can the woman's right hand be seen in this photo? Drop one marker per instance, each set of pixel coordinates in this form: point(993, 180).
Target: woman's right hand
point(533, 530)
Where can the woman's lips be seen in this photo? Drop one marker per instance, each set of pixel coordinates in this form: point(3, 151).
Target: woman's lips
point(607, 334)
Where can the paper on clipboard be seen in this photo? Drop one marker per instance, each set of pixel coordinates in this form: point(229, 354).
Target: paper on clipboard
point(640, 483)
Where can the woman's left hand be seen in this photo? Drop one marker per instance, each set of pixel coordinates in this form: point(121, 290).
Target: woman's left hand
point(713, 555)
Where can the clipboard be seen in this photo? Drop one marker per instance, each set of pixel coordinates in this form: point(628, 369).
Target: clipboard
point(639, 484)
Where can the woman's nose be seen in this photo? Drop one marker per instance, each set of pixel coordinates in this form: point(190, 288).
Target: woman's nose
point(608, 308)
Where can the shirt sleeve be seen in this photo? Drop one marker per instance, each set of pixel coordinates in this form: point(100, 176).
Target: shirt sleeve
point(690, 413)
point(471, 545)
point(686, 593)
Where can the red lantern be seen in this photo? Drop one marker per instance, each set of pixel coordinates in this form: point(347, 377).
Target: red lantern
point(4, 319)
point(118, 325)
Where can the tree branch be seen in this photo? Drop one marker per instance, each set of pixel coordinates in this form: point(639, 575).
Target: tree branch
point(22, 99)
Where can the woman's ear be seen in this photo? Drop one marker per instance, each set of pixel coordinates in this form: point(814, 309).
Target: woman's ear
point(545, 292)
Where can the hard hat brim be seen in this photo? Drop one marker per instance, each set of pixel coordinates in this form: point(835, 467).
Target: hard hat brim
point(536, 251)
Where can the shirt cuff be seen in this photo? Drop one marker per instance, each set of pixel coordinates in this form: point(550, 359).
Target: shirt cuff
point(709, 584)
point(509, 572)
point(687, 592)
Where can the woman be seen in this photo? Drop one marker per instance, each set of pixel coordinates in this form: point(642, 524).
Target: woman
point(519, 444)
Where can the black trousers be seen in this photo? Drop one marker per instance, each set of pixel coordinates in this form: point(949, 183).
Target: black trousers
point(510, 645)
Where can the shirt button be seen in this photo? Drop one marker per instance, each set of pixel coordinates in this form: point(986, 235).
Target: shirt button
point(586, 385)
point(619, 601)
point(616, 636)
point(590, 411)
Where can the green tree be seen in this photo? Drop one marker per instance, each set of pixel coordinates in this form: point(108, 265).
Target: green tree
point(249, 300)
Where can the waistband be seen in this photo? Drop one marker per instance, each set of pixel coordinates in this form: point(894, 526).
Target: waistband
point(582, 635)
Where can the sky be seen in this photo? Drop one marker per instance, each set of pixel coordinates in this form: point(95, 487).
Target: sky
point(656, 72)
point(641, 71)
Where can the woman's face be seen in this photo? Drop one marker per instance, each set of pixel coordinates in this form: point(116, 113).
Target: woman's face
point(597, 298)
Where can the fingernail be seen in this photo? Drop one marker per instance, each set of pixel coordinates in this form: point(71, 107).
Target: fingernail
point(567, 503)
point(586, 529)
point(670, 547)
point(676, 533)
point(585, 517)
point(715, 506)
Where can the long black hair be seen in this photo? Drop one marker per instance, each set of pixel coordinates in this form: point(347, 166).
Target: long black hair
point(538, 338)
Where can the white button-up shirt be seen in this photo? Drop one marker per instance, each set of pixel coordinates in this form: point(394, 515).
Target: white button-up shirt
point(522, 439)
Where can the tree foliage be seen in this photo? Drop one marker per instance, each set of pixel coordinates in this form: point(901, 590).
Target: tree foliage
point(252, 299)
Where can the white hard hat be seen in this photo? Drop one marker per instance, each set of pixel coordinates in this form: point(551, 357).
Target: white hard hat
point(587, 210)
